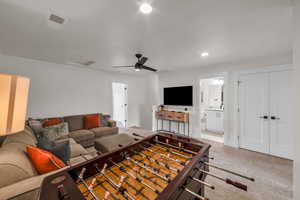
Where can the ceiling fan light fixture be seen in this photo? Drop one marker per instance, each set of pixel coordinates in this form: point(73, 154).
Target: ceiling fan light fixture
point(146, 8)
point(137, 69)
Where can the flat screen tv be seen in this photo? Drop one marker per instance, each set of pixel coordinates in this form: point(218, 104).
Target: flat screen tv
point(178, 96)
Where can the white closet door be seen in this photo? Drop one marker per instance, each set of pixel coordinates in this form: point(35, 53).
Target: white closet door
point(281, 133)
point(253, 99)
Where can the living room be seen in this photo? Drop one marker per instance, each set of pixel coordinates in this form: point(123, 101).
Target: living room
point(73, 52)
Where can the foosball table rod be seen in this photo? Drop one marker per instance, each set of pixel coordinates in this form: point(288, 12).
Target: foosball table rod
point(129, 184)
point(106, 189)
point(107, 194)
point(148, 169)
point(142, 175)
point(156, 162)
point(229, 171)
point(226, 180)
point(165, 149)
point(210, 158)
point(179, 147)
point(176, 153)
point(194, 194)
point(89, 188)
point(165, 156)
point(139, 180)
point(202, 183)
point(118, 186)
point(170, 145)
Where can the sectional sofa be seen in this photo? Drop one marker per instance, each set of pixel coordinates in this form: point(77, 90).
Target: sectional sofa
point(87, 137)
point(19, 178)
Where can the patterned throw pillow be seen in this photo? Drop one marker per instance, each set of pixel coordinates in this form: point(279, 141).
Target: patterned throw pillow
point(56, 132)
point(61, 149)
point(105, 119)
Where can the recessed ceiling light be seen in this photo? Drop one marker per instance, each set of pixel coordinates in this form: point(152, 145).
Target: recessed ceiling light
point(204, 54)
point(145, 8)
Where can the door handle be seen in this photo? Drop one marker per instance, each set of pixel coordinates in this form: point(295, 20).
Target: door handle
point(275, 118)
point(264, 117)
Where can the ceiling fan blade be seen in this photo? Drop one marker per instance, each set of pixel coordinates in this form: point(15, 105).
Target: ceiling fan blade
point(143, 60)
point(149, 68)
point(121, 66)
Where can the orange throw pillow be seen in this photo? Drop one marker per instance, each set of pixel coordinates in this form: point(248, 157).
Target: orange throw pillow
point(44, 161)
point(52, 122)
point(92, 121)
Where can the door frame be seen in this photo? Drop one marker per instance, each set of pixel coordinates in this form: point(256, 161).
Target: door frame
point(226, 103)
point(126, 101)
point(237, 89)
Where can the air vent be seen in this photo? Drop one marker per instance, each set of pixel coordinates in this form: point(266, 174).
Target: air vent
point(87, 63)
point(56, 19)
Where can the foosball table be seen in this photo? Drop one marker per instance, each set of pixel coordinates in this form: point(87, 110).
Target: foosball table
point(159, 167)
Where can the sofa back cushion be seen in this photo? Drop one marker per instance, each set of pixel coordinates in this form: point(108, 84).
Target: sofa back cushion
point(36, 126)
point(75, 122)
point(15, 164)
point(25, 137)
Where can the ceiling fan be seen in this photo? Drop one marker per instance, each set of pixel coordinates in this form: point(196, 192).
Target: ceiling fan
point(140, 64)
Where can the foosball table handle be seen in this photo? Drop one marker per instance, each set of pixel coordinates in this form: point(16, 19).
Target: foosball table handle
point(62, 193)
point(237, 184)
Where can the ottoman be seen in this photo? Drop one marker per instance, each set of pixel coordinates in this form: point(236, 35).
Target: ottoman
point(110, 143)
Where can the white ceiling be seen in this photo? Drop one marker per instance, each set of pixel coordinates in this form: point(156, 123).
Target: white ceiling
point(173, 36)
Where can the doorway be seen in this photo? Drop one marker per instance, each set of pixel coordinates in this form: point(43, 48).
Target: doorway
point(212, 109)
point(120, 104)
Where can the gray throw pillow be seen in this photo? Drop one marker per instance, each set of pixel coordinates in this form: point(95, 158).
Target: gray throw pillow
point(60, 149)
point(36, 126)
point(56, 132)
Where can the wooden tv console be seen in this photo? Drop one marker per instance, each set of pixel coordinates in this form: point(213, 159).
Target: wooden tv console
point(173, 116)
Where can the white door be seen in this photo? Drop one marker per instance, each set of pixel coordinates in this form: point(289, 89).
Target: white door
point(254, 112)
point(281, 134)
point(120, 104)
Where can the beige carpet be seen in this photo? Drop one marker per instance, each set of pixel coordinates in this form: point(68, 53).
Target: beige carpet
point(273, 175)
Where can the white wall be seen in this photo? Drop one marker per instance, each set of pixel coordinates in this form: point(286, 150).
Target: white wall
point(230, 74)
point(59, 90)
point(297, 99)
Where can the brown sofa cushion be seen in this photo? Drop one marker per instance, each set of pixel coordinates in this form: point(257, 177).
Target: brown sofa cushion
point(71, 140)
point(14, 164)
point(105, 131)
point(23, 137)
point(77, 150)
point(81, 135)
point(75, 122)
